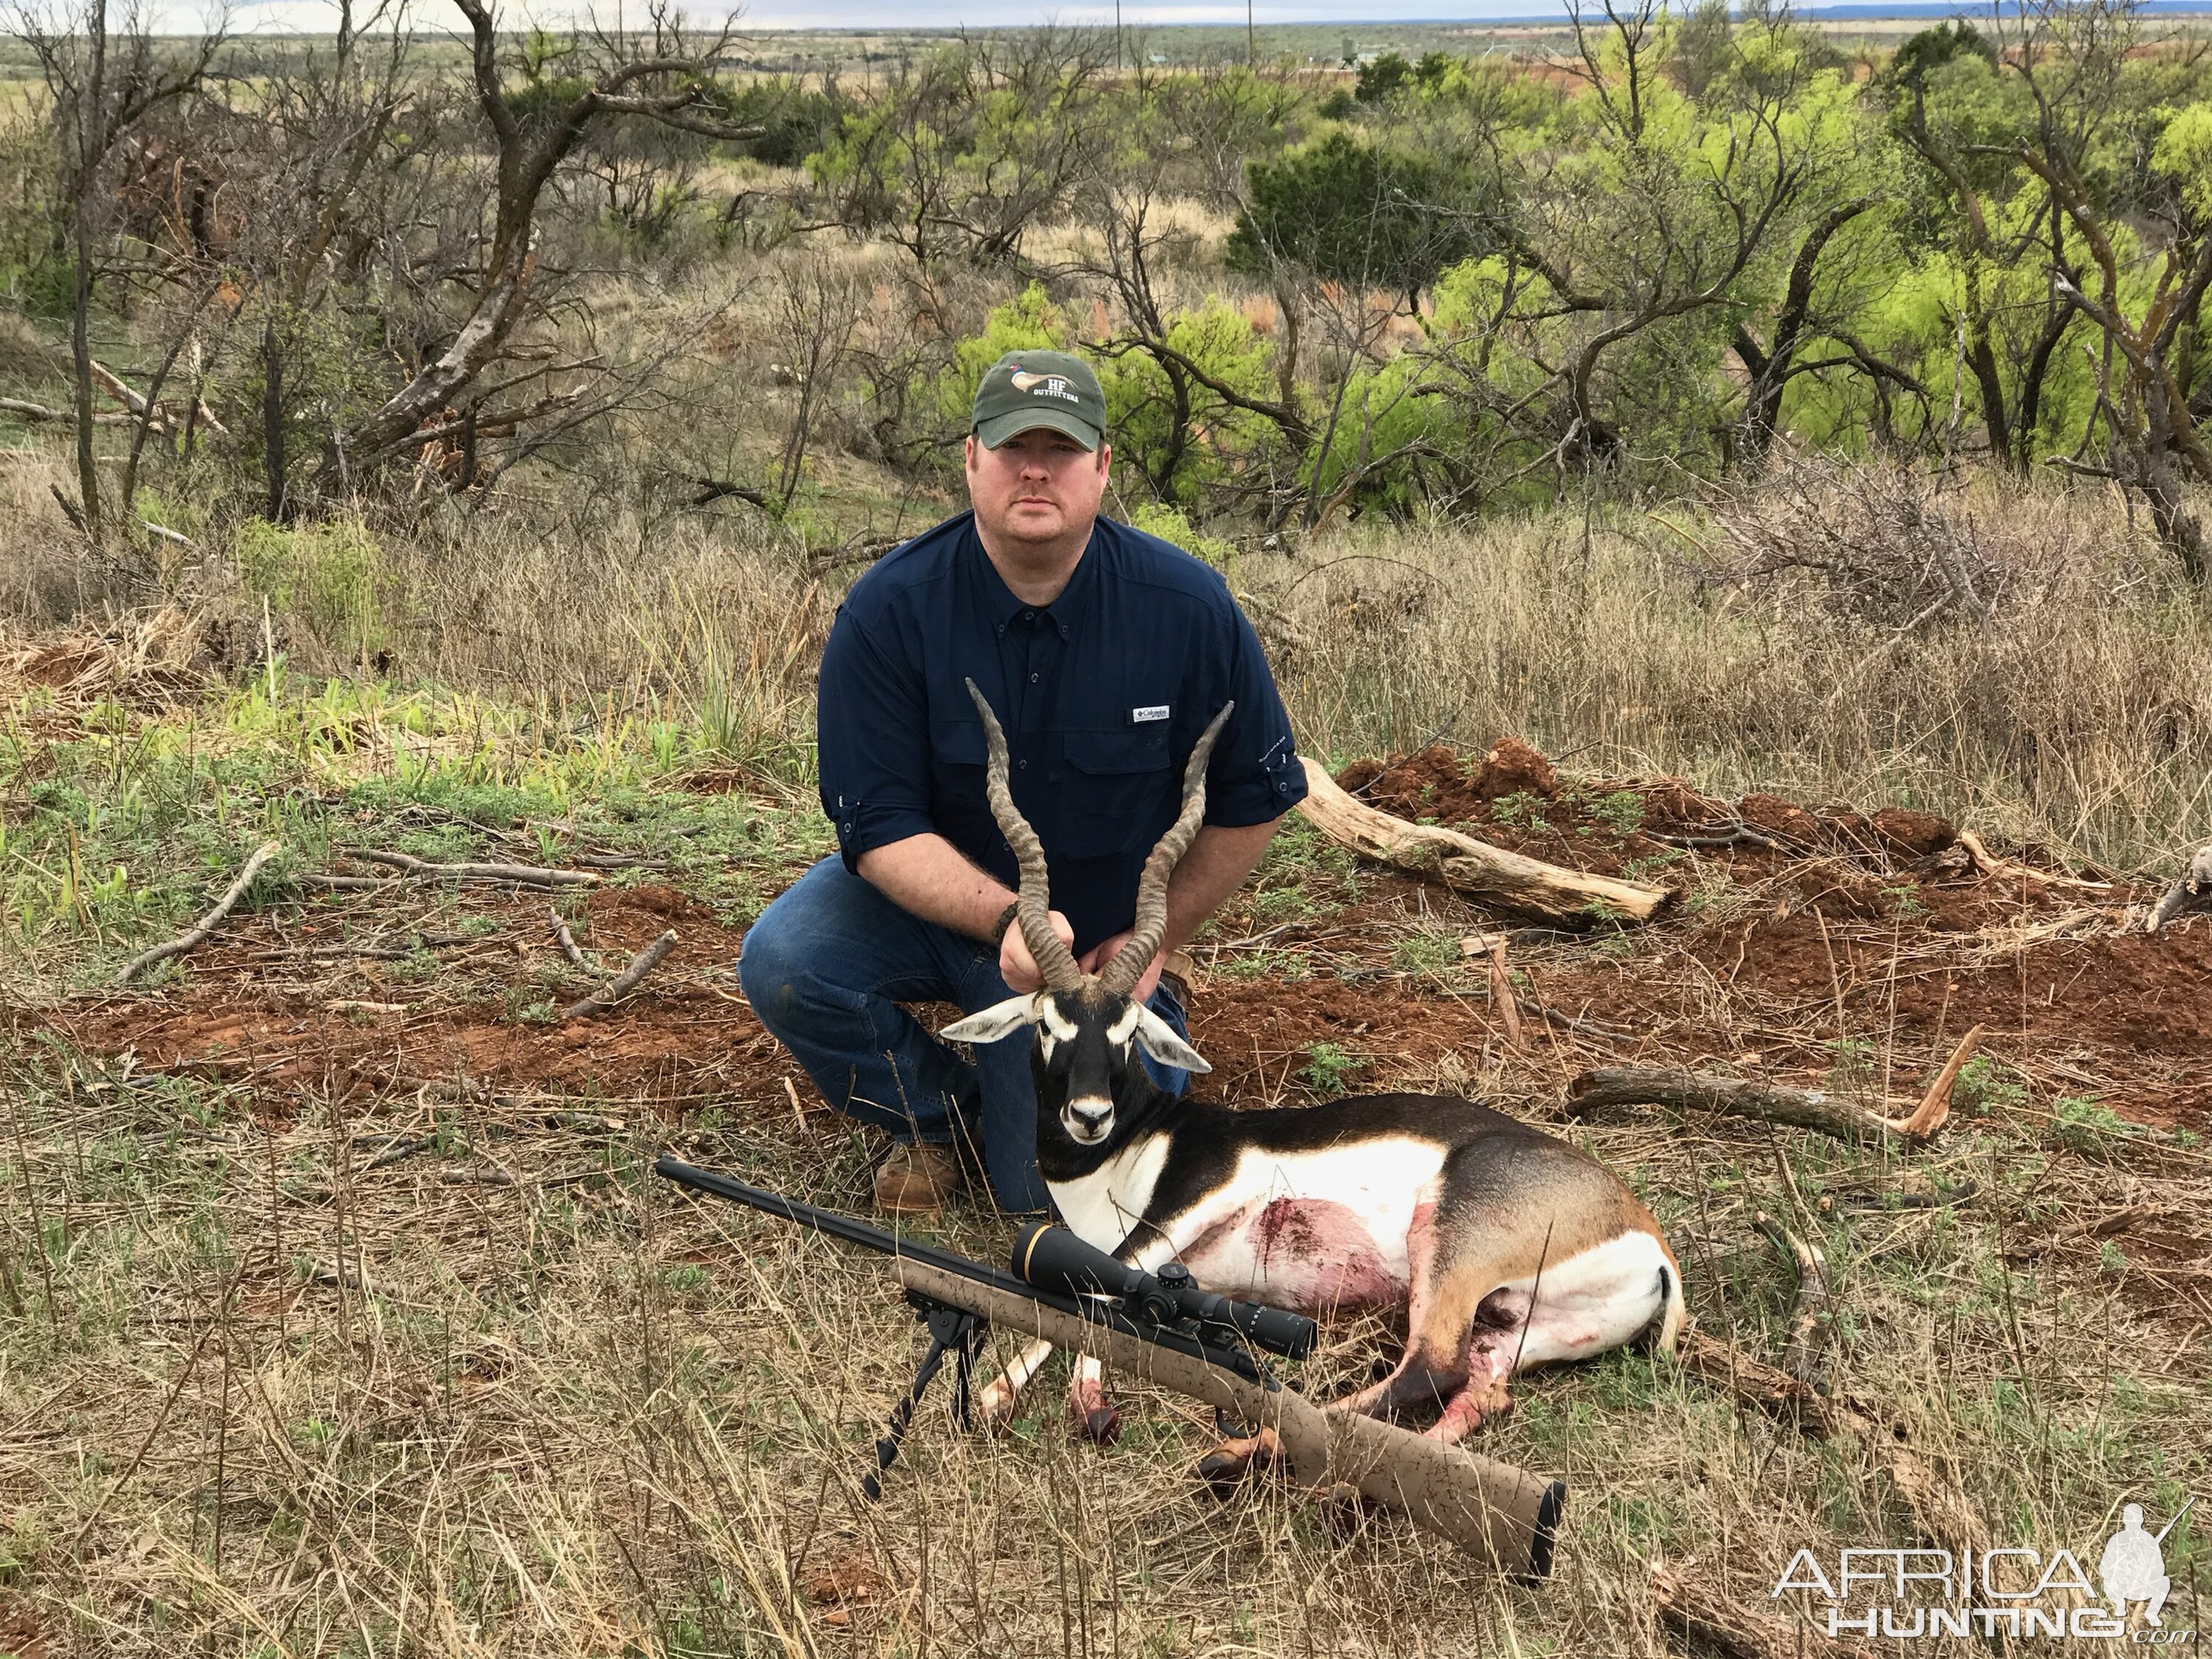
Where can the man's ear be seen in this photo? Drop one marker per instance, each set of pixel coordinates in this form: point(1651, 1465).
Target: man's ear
point(1000, 1019)
point(1158, 1038)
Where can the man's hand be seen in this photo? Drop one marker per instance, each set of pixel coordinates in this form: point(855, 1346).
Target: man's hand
point(1095, 960)
point(1017, 967)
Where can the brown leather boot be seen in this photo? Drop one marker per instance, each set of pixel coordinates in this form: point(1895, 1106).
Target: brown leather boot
point(1177, 973)
point(916, 1179)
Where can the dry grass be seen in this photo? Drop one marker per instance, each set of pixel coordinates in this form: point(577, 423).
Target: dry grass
point(2080, 715)
point(282, 1384)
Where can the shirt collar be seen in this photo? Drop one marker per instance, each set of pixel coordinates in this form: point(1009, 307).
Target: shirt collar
point(1002, 604)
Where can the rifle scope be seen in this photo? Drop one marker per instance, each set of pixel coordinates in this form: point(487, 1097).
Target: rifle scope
point(1054, 1259)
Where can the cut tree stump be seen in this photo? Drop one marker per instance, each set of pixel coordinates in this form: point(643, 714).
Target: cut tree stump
point(1475, 867)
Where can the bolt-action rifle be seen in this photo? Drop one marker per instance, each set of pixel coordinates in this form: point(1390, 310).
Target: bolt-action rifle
point(1161, 1327)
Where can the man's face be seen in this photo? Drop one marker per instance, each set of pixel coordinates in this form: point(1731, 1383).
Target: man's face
point(1037, 486)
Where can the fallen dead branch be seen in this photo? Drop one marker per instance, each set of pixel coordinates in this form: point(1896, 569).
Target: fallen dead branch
point(2191, 895)
point(2111, 1224)
point(1691, 1602)
point(207, 924)
point(624, 982)
point(1941, 1509)
point(527, 875)
point(1474, 866)
point(1800, 1353)
point(566, 940)
point(1806, 1109)
point(1989, 864)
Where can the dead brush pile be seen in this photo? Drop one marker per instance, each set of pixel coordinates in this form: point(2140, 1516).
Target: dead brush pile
point(1894, 546)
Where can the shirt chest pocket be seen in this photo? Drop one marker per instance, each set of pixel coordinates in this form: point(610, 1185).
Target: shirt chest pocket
point(1118, 790)
point(957, 754)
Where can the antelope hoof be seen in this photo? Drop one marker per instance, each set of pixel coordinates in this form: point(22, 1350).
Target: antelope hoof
point(1233, 1463)
point(1102, 1425)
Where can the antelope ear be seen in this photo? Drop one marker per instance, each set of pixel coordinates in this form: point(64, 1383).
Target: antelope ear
point(1158, 1038)
point(1000, 1019)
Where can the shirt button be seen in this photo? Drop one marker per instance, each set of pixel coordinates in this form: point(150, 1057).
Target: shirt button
point(1033, 679)
point(1029, 616)
point(1021, 766)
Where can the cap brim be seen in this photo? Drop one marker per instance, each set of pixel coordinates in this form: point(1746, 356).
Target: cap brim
point(996, 430)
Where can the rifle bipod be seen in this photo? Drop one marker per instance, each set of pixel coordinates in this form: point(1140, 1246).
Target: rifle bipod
point(951, 1330)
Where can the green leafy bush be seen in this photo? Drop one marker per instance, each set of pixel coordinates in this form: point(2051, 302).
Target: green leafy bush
point(331, 578)
point(1353, 212)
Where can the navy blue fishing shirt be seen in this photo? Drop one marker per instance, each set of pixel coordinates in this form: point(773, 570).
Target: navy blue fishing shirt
point(1102, 695)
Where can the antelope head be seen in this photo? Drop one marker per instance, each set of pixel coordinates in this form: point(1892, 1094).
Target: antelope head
point(1088, 1026)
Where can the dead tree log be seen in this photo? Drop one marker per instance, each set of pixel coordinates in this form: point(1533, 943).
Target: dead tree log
point(1941, 1509)
point(2190, 895)
point(1511, 879)
point(1694, 1605)
point(207, 923)
point(1805, 1108)
point(624, 982)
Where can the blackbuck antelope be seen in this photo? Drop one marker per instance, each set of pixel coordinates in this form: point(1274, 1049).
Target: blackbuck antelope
point(1508, 1249)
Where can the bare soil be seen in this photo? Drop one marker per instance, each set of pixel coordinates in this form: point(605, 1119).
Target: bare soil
point(1857, 953)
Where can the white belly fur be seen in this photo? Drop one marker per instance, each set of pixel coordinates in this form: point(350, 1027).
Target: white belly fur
point(1380, 1182)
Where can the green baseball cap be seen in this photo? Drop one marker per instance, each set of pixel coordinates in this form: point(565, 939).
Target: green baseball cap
point(1026, 390)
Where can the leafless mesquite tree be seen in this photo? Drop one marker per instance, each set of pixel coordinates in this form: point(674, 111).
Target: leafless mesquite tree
point(655, 78)
point(2068, 54)
point(107, 73)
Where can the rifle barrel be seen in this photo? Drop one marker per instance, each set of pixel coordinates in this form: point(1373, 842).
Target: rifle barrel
point(1093, 1309)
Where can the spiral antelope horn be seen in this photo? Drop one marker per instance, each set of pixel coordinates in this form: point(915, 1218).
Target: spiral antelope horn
point(1055, 963)
point(1150, 926)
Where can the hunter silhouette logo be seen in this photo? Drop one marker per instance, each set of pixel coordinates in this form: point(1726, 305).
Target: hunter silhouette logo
point(2133, 1567)
point(1042, 386)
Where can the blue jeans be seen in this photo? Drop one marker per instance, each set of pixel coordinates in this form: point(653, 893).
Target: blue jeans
point(826, 968)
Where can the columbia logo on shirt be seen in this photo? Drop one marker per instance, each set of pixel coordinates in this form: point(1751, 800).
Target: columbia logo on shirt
point(1157, 712)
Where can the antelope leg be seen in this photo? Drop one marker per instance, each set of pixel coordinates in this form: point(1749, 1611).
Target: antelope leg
point(995, 1406)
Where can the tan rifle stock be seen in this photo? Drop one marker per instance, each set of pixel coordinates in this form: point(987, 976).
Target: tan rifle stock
point(1500, 1515)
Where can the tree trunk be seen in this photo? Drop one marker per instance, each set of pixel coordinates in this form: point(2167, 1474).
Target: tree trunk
point(2176, 525)
point(272, 419)
point(87, 464)
point(1983, 361)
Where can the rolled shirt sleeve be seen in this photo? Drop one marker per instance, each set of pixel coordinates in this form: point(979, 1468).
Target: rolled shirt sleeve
point(1254, 775)
point(872, 725)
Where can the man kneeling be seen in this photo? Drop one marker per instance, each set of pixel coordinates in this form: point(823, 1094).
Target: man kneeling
point(1104, 652)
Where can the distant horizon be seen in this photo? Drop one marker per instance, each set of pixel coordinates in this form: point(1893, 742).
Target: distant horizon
point(846, 17)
